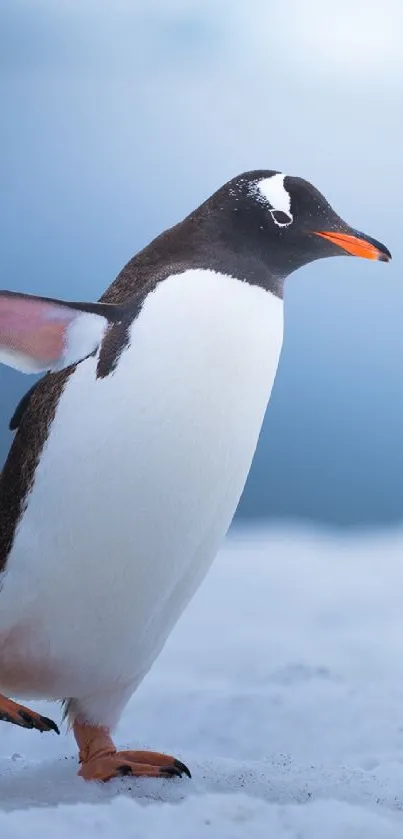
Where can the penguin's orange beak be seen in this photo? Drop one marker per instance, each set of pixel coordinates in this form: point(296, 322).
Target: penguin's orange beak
point(357, 245)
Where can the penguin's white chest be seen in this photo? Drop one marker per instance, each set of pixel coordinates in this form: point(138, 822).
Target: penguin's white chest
point(138, 482)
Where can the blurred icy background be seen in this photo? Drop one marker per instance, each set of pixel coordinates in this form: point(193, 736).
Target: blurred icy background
point(282, 686)
point(119, 118)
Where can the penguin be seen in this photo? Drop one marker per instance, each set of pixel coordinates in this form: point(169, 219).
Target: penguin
point(132, 452)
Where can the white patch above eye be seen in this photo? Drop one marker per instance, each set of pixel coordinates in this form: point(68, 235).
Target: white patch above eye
point(273, 191)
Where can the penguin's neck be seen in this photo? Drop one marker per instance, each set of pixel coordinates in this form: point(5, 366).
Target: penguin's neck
point(198, 243)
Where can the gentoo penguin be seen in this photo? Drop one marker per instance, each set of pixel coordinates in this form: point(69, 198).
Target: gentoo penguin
point(132, 452)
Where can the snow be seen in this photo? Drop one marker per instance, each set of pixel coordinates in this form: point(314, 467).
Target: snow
point(281, 688)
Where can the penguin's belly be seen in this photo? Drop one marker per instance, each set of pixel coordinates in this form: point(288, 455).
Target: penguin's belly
point(136, 487)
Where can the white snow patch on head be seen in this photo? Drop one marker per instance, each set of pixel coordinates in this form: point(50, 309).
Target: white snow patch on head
point(274, 192)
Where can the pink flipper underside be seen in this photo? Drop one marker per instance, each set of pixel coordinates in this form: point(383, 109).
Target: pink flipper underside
point(38, 335)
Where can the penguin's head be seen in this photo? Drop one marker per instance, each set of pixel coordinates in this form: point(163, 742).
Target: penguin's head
point(289, 223)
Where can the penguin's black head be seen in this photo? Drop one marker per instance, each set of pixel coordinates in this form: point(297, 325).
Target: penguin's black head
point(287, 222)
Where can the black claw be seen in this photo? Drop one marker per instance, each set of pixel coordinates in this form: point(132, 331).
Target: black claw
point(42, 723)
point(50, 725)
point(171, 771)
point(125, 769)
point(182, 767)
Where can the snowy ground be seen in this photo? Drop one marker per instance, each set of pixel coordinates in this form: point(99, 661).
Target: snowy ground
point(281, 688)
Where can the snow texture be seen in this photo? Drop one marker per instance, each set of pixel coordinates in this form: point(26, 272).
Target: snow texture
point(281, 688)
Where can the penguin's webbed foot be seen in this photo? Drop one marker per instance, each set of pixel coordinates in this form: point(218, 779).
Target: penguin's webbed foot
point(136, 764)
point(101, 762)
point(17, 714)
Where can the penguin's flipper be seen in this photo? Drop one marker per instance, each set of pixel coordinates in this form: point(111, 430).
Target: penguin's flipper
point(22, 407)
point(17, 714)
point(39, 333)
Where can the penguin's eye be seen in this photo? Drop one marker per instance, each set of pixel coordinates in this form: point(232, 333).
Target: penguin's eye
point(281, 218)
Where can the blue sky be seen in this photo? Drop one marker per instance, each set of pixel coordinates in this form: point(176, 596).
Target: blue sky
point(119, 118)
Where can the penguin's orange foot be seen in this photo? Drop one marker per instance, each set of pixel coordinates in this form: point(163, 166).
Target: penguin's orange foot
point(101, 762)
point(146, 764)
point(13, 712)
